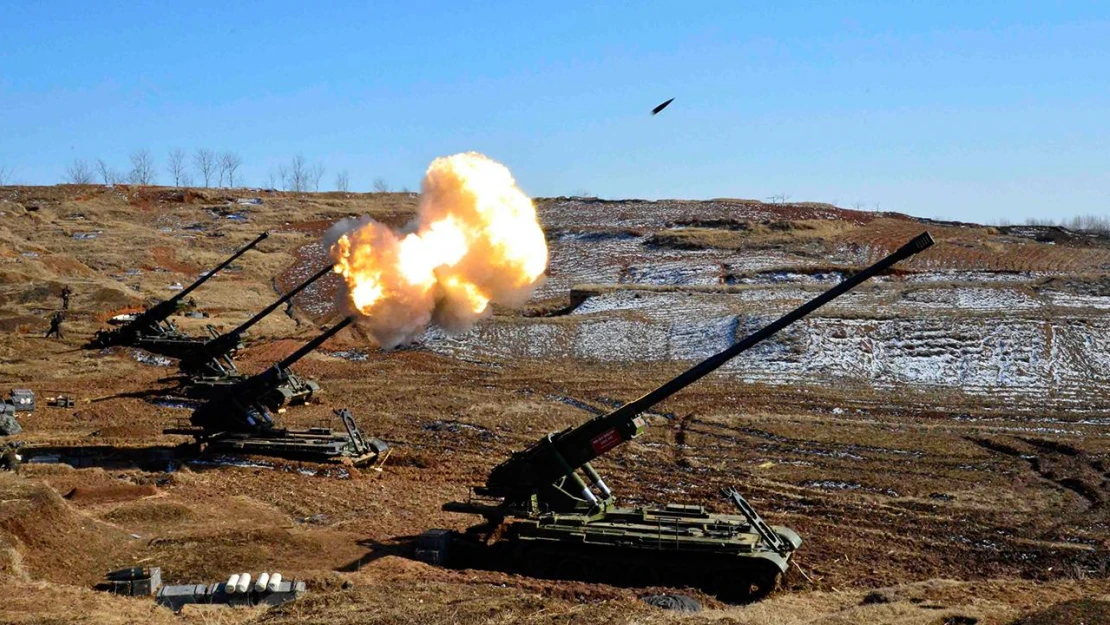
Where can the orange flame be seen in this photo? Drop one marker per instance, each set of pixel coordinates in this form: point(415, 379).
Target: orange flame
point(475, 241)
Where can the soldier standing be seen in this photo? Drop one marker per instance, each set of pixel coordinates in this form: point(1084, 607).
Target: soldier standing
point(56, 325)
point(66, 293)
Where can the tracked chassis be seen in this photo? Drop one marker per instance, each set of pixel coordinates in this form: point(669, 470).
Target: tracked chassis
point(729, 556)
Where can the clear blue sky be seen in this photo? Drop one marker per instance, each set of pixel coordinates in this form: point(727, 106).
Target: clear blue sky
point(969, 110)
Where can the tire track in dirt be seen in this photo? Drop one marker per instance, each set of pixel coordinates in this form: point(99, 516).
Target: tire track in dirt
point(1060, 464)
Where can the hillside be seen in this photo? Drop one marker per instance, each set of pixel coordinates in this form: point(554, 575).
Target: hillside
point(937, 437)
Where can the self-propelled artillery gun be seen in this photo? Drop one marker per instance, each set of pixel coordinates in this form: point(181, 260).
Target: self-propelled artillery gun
point(549, 513)
point(209, 367)
point(152, 329)
point(238, 420)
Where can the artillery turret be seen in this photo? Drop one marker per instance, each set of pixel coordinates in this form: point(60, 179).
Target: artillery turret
point(209, 367)
point(152, 330)
point(543, 518)
point(238, 419)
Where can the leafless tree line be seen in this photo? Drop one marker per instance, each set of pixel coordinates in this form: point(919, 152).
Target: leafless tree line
point(860, 205)
point(209, 166)
point(1086, 223)
point(142, 171)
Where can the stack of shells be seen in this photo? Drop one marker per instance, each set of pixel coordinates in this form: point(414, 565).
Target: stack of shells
point(241, 583)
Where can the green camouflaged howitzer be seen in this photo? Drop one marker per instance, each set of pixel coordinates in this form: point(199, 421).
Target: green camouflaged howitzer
point(544, 519)
point(238, 420)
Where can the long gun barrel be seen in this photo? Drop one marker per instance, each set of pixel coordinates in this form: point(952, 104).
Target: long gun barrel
point(148, 320)
point(561, 455)
point(223, 345)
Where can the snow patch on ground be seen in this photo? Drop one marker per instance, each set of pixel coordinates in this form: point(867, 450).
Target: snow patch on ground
point(974, 276)
point(972, 298)
point(1068, 300)
point(992, 352)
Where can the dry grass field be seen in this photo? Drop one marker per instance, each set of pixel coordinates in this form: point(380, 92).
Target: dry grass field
point(957, 474)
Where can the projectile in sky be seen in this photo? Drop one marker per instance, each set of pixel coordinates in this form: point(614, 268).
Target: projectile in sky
point(661, 106)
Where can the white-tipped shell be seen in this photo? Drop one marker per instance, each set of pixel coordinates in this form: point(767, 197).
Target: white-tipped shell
point(260, 585)
point(244, 582)
point(275, 581)
point(232, 582)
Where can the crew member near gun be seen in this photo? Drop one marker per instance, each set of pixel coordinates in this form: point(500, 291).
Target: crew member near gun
point(56, 325)
point(10, 459)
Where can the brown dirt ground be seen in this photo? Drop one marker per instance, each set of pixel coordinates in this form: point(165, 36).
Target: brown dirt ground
point(947, 518)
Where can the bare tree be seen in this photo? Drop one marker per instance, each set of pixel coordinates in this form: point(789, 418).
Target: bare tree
point(380, 185)
point(205, 162)
point(79, 172)
point(229, 163)
point(858, 205)
point(106, 173)
point(298, 174)
point(177, 167)
point(342, 182)
point(142, 168)
point(315, 174)
point(5, 175)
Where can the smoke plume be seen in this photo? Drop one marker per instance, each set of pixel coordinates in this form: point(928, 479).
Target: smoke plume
point(475, 241)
